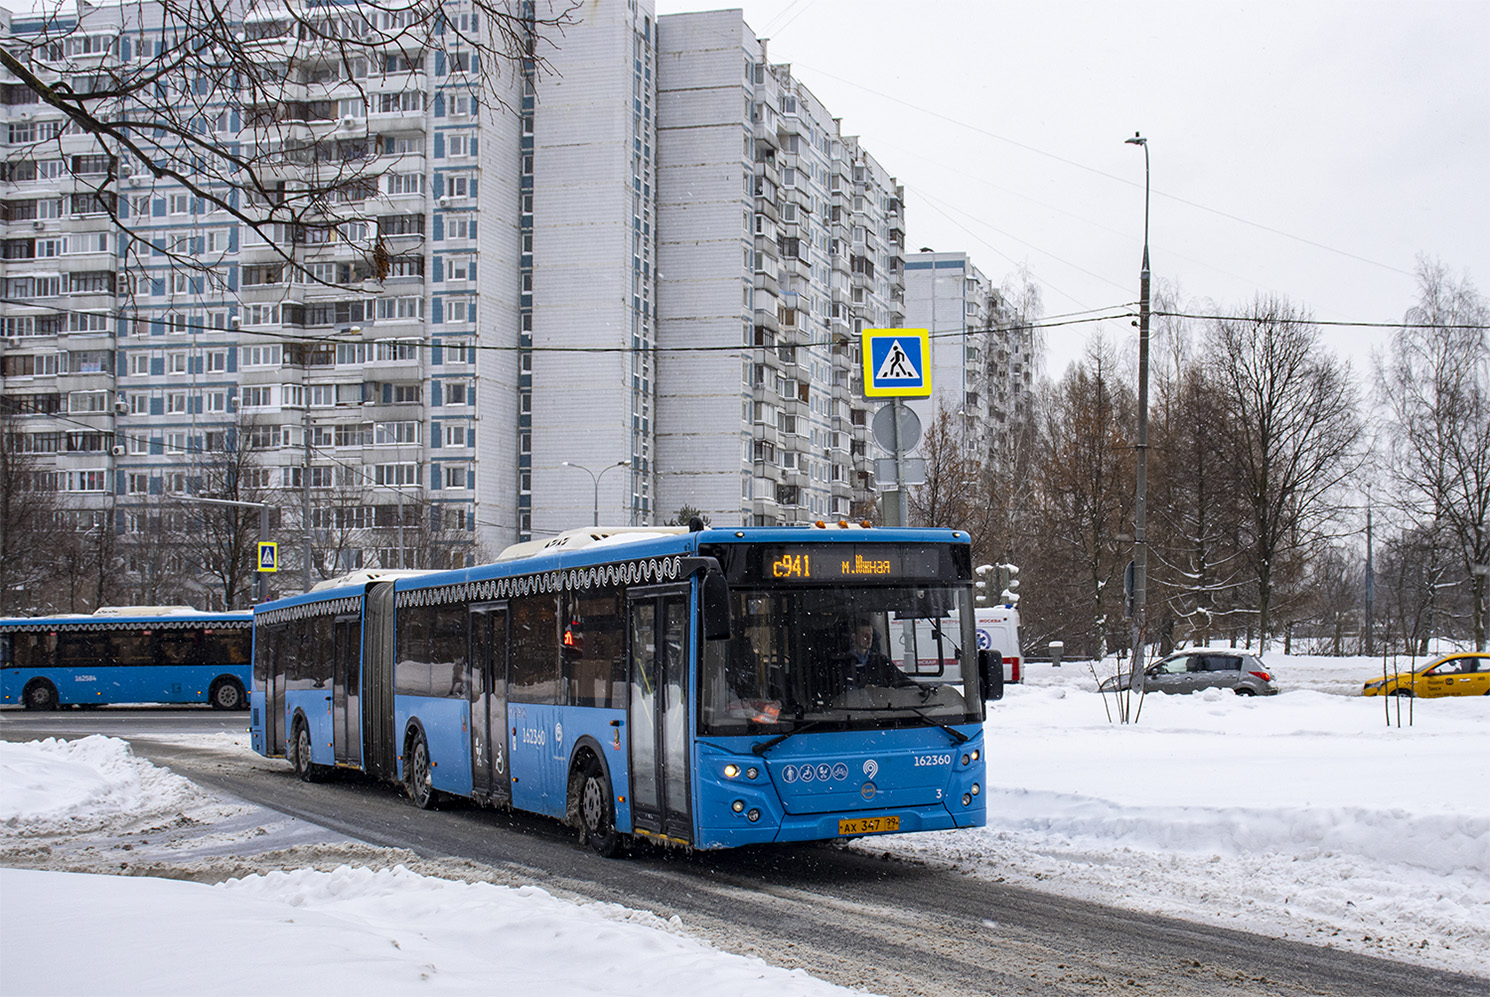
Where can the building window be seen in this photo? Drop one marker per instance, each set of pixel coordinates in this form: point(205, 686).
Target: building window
point(88, 401)
point(87, 481)
point(394, 474)
point(258, 396)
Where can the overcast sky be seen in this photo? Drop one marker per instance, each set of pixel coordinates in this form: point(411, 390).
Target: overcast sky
point(1301, 148)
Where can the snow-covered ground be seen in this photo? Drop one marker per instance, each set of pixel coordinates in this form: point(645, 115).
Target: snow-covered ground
point(1314, 815)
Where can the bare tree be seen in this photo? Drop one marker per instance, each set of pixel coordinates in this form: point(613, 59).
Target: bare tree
point(258, 108)
point(342, 534)
point(1195, 513)
point(952, 471)
point(1411, 567)
point(431, 540)
point(227, 535)
point(1436, 383)
point(161, 562)
point(1295, 437)
point(36, 538)
point(1334, 603)
point(1084, 500)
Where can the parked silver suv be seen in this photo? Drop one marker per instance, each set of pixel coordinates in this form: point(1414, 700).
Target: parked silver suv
point(1204, 668)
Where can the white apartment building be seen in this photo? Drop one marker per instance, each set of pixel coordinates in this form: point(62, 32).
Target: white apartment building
point(635, 287)
point(982, 362)
point(780, 239)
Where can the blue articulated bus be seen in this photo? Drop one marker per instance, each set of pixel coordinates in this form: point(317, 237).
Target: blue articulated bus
point(704, 688)
point(128, 654)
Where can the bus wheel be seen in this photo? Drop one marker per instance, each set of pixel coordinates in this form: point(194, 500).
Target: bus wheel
point(417, 778)
point(40, 695)
point(307, 770)
point(597, 812)
point(227, 694)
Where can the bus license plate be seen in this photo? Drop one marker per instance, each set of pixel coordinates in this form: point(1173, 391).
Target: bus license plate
point(869, 825)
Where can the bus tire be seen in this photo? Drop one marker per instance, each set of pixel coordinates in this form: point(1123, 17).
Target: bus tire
point(226, 694)
point(307, 770)
point(40, 695)
point(597, 810)
point(418, 778)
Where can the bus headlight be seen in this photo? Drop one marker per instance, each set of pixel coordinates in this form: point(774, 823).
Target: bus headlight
point(752, 772)
point(753, 816)
point(975, 789)
point(738, 806)
point(731, 770)
point(967, 799)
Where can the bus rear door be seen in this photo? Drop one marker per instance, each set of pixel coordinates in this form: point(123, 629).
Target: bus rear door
point(488, 687)
point(346, 685)
point(657, 713)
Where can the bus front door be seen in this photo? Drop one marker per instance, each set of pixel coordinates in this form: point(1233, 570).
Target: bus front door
point(657, 712)
point(274, 689)
point(488, 685)
point(346, 685)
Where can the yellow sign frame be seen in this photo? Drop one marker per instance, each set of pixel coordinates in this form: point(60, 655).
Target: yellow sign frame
point(878, 347)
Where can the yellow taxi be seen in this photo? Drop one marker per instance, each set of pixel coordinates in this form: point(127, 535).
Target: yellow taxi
point(1464, 673)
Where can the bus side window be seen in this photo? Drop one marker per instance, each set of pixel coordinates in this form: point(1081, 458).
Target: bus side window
point(180, 647)
point(225, 647)
point(130, 648)
point(447, 651)
point(533, 668)
point(593, 642)
point(83, 650)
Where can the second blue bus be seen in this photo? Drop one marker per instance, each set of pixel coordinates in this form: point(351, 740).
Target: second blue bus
point(126, 655)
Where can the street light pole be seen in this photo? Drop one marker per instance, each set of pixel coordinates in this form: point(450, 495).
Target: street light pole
point(1140, 504)
point(1370, 583)
point(263, 508)
point(595, 481)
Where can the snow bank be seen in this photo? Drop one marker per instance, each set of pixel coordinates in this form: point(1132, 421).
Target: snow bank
point(351, 931)
point(81, 783)
point(1303, 815)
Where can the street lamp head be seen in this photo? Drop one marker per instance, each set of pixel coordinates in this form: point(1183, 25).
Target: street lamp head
point(623, 463)
point(1136, 140)
point(567, 463)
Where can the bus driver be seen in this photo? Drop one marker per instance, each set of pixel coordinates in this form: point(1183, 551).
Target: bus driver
point(868, 665)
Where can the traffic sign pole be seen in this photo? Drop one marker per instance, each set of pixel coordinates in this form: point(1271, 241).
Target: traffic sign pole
point(900, 516)
point(897, 365)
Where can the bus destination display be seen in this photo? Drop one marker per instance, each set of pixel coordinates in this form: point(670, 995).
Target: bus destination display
point(848, 562)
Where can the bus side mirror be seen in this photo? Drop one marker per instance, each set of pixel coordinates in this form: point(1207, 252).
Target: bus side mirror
point(715, 591)
point(991, 674)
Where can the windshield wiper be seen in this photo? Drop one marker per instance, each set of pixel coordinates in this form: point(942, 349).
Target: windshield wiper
point(764, 746)
point(957, 736)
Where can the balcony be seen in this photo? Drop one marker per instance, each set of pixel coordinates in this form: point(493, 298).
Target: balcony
point(765, 508)
point(767, 432)
point(768, 471)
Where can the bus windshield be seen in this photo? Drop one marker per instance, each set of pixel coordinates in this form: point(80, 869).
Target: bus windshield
point(847, 658)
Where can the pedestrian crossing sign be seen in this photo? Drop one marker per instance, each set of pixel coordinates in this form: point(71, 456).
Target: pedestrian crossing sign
point(896, 363)
point(268, 556)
